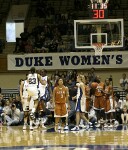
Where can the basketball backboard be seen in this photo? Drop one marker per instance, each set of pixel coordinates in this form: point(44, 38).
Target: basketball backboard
point(110, 32)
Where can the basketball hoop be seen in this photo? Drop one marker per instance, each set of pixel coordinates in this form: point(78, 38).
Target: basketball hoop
point(98, 47)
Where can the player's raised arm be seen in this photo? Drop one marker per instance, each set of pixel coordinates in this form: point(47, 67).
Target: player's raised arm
point(43, 82)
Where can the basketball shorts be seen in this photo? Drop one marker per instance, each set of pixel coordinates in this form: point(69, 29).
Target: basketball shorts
point(33, 93)
point(87, 105)
point(109, 105)
point(99, 103)
point(60, 110)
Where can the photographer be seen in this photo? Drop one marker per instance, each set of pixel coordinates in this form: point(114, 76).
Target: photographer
point(15, 116)
point(124, 82)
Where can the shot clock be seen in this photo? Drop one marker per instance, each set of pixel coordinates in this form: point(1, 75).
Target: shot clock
point(98, 10)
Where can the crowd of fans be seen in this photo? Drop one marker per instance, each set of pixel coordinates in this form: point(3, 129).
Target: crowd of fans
point(11, 110)
point(48, 37)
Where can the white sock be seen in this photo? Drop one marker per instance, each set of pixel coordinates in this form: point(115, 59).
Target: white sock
point(31, 122)
point(33, 110)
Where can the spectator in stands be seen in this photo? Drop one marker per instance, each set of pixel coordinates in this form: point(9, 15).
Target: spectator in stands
point(124, 82)
point(61, 47)
point(17, 102)
point(24, 35)
point(72, 100)
point(1, 111)
point(62, 27)
point(92, 114)
point(50, 106)
point(118, 107)
point(93, 74)
point(2, 100)
point(47, 31)
point(124, 115)
point(39, 42)
point(52, 81)
point(70, 28)
point(11, 100)
point(14, 119)
point(28, 47)
point(6, 111)
point(53, 46)
point(125, 102)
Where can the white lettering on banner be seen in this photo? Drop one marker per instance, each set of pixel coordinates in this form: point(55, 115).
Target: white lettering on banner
point(79, 60)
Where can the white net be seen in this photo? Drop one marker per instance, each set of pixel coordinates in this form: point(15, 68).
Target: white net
point(98, 47)
point(99, 1)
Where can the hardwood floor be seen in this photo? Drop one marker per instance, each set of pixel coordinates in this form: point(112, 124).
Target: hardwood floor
point(15, 138)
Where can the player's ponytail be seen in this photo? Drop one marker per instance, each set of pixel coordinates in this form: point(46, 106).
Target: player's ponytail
point(33, 70)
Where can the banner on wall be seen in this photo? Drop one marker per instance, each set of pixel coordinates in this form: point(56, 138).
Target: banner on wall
point(73, 60)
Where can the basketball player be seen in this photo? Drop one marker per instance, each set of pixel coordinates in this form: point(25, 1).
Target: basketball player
point(81, 102)
point(33, 80)
point(109, 100)
point(99, 99)
point(26, 102)
point(44, 93)
point(87, 102)
point(60, 98)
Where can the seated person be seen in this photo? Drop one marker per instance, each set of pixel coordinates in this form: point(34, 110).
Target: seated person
point(14, 119)
point(125, 102)
point(1, 111)
point(6, 111)
point(50, 106)
point(124, 115)
point(124, 82)
point(118, 108)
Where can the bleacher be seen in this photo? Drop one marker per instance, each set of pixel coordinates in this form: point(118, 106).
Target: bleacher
point(7, 93)
point(120, 92)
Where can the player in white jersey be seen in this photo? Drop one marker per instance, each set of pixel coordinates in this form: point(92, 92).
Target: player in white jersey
point(27, 104)
point(33, 80)
point(81, 102)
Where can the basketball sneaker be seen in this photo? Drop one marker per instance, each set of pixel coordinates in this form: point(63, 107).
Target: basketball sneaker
point(82, 126)
point(75, 129)
point(24, 126)
point(32, 115)
point(43, 126)
point(44, 120)
point(59, 127)
point(31, 127)
point(66, 128)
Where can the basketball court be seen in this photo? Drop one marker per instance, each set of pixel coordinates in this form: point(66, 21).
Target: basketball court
point(97, 34)
point(92, 139)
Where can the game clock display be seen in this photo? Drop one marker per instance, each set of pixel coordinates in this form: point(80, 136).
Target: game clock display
point(99, 11)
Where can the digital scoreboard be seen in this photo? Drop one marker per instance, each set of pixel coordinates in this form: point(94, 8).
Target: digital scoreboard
point(99, 10)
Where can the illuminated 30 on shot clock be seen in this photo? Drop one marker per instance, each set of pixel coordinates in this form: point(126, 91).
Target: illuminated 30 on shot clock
point(98, 9)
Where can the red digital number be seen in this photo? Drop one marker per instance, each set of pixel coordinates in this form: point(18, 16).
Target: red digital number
point(98, 14)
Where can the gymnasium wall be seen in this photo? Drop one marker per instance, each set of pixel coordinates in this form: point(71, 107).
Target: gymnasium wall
point(10, 79)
